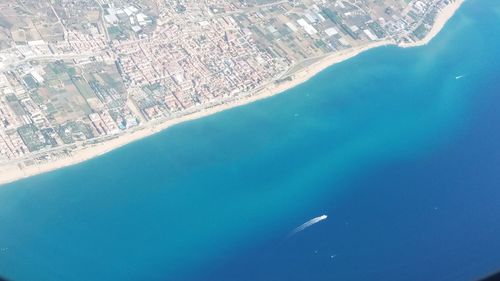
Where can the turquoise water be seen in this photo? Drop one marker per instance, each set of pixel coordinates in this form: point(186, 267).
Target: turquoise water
point(388, 144)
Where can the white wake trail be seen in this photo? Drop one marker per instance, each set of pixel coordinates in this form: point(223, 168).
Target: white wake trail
point(307, 224)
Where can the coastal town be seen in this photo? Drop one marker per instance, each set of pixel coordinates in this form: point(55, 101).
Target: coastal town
point(77, 75)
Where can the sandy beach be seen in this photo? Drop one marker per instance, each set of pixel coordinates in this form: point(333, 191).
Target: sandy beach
point(14, 172)
point(441, 19)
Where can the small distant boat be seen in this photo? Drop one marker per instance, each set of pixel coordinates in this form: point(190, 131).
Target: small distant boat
point(459, 77)
point(308, 224)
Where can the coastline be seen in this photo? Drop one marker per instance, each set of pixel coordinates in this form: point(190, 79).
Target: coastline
point(11, 173)
point(441, 19)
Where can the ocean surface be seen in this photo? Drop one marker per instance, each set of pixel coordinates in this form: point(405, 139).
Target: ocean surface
point(401, 154)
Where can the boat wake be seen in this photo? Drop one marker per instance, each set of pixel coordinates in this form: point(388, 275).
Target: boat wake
point(307, 224)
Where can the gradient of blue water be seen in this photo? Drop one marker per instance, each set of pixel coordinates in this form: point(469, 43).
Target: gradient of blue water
point(403, 158)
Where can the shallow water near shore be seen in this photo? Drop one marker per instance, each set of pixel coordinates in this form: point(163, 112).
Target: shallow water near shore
point(401, 155)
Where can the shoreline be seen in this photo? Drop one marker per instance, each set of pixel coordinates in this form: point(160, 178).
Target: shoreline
point(11, 173)
point(440, 21)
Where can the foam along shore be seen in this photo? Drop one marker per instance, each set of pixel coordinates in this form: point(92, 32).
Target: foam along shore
point(10, 173)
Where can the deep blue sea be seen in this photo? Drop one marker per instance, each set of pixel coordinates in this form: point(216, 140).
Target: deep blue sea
point(403, 158)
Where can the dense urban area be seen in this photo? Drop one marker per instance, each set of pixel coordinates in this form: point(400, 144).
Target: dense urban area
point(76, 73)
